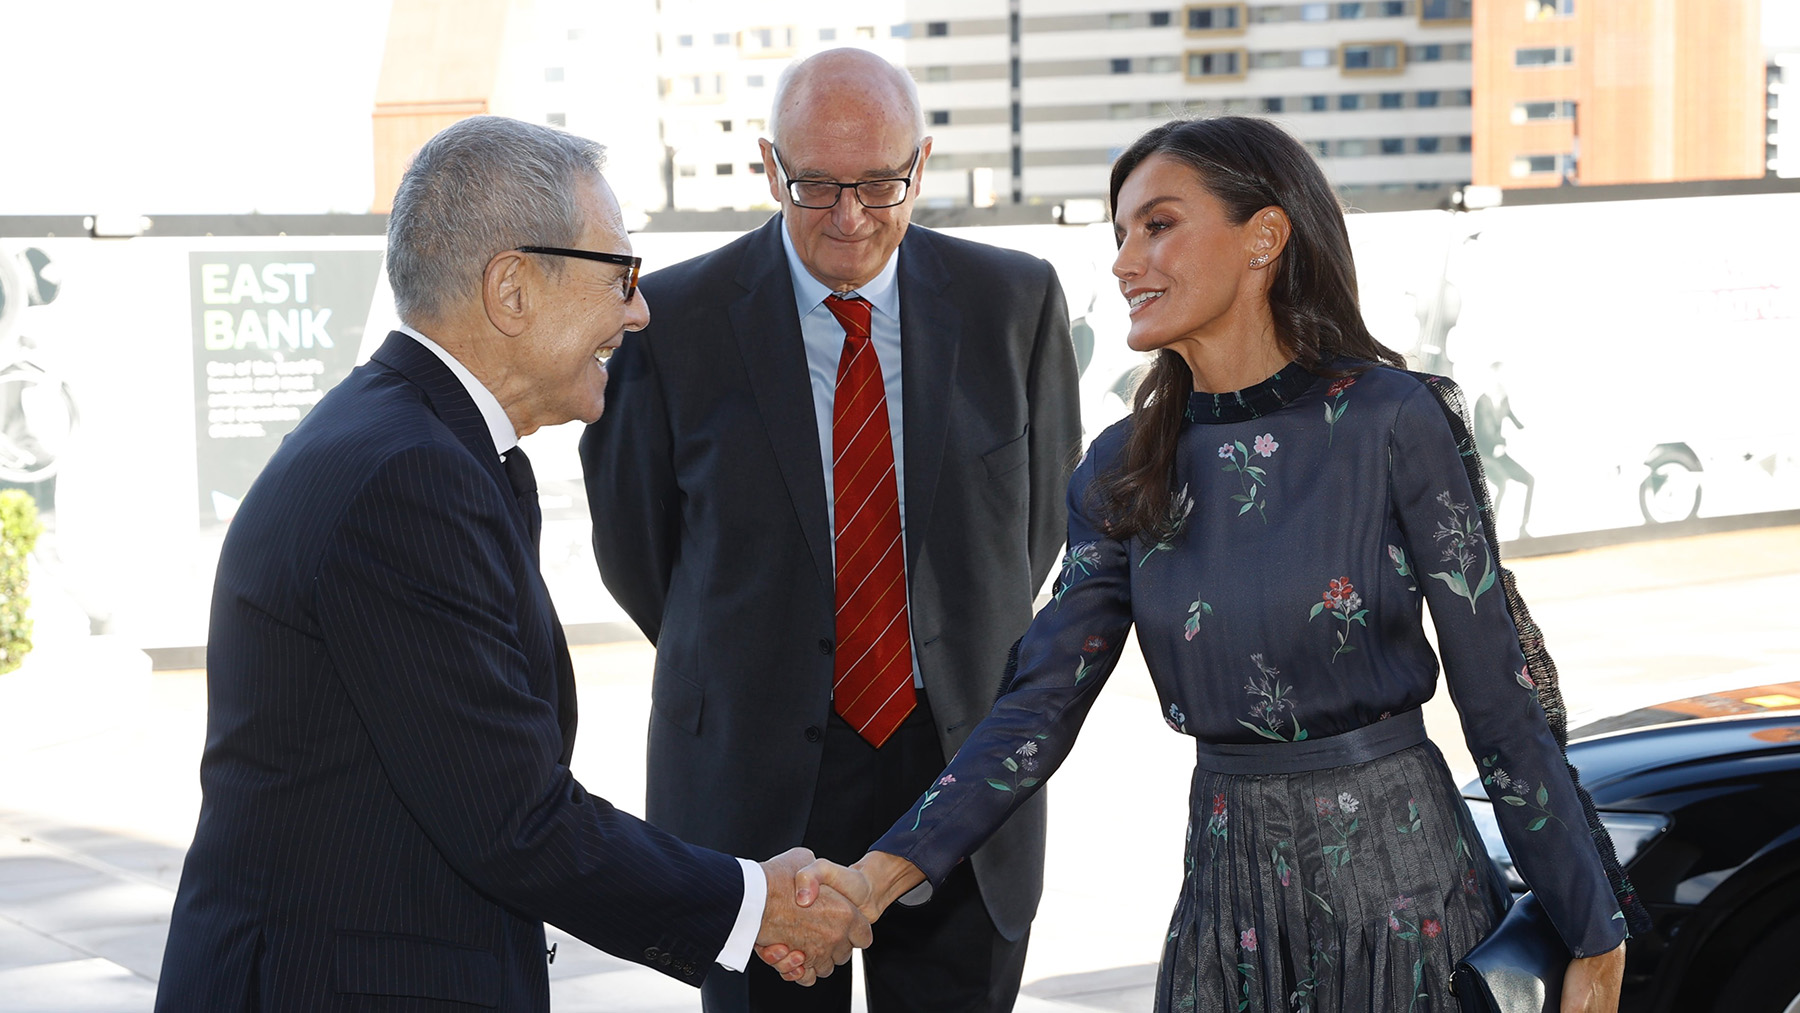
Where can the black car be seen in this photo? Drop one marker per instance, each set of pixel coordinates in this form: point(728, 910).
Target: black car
point(1702, 797)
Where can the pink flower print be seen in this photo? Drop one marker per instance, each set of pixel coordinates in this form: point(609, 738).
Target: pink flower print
point(1287, 875)
point(1247, 939)
point(1218, 808)
point(1225, 451)
point(1266, 445)
point(1339, 592)
point(946, 779)
point(1324, 806)
point(1393, 923)
point(1469, 885)
point(1431, 927)
point(1402, 903)
point(1524, 677)
point(1339, 386)
point(1093, 645)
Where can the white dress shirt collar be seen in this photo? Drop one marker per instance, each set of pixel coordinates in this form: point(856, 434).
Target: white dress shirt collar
point(499, 426)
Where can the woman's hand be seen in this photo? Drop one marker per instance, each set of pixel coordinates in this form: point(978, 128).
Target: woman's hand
point(871, 884)
point(1592, 983)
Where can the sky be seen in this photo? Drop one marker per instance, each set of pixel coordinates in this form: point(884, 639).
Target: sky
point(224, 106)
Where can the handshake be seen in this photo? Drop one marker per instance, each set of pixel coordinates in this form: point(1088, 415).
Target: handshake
point(818, 911)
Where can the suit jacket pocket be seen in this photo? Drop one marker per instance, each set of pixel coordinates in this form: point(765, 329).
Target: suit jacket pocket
point(371, 963)
point(1009, 456)
point(678, 699)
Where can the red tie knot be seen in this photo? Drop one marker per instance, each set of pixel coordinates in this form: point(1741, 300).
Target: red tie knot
point(852, 313)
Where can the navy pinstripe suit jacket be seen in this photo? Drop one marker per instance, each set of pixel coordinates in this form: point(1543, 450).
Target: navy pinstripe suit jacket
point(389, 816)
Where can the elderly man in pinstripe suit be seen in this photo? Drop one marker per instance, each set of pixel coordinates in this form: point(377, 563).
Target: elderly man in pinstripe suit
point(389, 816)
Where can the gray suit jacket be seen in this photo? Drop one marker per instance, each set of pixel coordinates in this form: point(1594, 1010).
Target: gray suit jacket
point(705, 483)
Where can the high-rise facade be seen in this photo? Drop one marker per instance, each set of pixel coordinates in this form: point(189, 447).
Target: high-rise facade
point(1618, 91)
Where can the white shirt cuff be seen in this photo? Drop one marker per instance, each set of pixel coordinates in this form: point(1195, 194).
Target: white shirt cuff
point(736, 954)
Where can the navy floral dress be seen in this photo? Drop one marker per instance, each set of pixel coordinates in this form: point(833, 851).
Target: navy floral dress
point(1282, 603)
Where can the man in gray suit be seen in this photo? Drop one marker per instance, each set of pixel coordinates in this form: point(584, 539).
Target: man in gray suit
point(828, 483)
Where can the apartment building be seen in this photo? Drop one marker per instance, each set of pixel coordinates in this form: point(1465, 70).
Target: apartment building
point(1029, 101)
point(1619, 91)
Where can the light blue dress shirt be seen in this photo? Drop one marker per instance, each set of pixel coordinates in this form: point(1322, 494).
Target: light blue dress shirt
point(824, 340)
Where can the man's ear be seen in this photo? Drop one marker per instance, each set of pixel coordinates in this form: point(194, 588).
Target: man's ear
point(768, 157)
point(505, 295)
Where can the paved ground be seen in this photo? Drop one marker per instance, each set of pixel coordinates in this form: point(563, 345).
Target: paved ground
point(98, 789)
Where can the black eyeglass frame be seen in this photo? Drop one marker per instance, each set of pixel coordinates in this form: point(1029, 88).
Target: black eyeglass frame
point(630, 281)
point(905, 182)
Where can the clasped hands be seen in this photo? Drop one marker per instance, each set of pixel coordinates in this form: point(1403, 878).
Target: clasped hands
point(819, 885)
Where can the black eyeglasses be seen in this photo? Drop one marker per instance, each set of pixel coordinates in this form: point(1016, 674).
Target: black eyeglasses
point(628, 284)
point(819, 194)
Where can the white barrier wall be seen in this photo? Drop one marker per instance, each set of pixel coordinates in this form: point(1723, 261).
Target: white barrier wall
point(1630, 352)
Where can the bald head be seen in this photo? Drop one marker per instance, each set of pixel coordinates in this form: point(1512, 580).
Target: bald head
point(845, 86)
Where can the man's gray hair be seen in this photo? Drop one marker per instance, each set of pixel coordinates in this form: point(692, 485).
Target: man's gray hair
point(482, 186)
point(909, 91)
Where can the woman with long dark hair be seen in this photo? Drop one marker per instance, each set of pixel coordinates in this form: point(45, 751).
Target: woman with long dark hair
point(1271, 517)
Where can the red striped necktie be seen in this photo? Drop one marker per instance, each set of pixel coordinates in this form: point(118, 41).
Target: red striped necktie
point(873, 684)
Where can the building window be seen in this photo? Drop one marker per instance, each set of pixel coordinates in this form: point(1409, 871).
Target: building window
point(724, 126)
point(1314, 12)
point(1431, 53)
point(721, 38)
point(557, 119)
point(936, 29)
point(1161, 65)
point(1315, 103)
point(1543, 165)
point(753, 168)
point(1428, 145)
point(1465, 143)
point(1393, 146)
point(1349, 11)
point(937, 75)
point(827, 35)
point(1215, 19)
point(756, 126)
point(1120, 111)
point(900, 31)
point(1216, 63)
point(1349, 102)
point(1271, 105)
point(865, 31)
point(1373, 57)
point(1534, 112)
point(1462, 97)
point(1352, 148)
point(1426, 99)
point(1392, 100)
point(1315, 57)
point(1319, 149)
point(1118, 20)
point(1439, 12)
point(724, 168)
point(1543, 56)
point(1544, 10)
point(1393, 8)
point(684, 40)
point(1121, 65)
point(685, 171)
point(940, 117)
point(753, 80)
point(1159, 19)
point(763, 42)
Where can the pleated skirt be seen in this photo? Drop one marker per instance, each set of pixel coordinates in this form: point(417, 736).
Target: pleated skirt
point(1353, 889)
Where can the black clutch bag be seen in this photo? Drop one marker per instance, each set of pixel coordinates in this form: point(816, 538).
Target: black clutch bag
point(1518, 968)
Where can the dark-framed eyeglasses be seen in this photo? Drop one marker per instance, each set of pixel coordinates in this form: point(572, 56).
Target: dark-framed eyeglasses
point(820, 194)
point(627, 284)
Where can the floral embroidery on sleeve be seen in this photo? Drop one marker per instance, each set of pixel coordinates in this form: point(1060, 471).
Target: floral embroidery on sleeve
point(1082, 559)
point(1521, 797)
point(1090, 647)
point(1250, 477)
point(1398, 555)
point(1023, 761)
point(1460, 539)
point(1272, 703)
point(931, 796)
point(1346, 604)
point(1196, 609)
point(1335, 408)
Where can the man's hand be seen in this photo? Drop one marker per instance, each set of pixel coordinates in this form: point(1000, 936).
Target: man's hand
point(1592, 984)
point(826, 929)
point(871, 884)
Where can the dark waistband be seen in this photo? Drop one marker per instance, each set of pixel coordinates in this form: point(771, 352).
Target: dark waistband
point(1369, 742)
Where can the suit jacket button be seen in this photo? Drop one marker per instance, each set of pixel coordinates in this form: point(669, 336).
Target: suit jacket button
point(813, 734)
point(651, 953)
point(664, 959)
point(824, 645)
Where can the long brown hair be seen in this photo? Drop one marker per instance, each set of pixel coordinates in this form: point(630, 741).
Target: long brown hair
point(1248, 164)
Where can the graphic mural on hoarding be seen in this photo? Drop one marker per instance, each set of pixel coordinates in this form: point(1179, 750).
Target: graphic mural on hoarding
point(273, 331)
